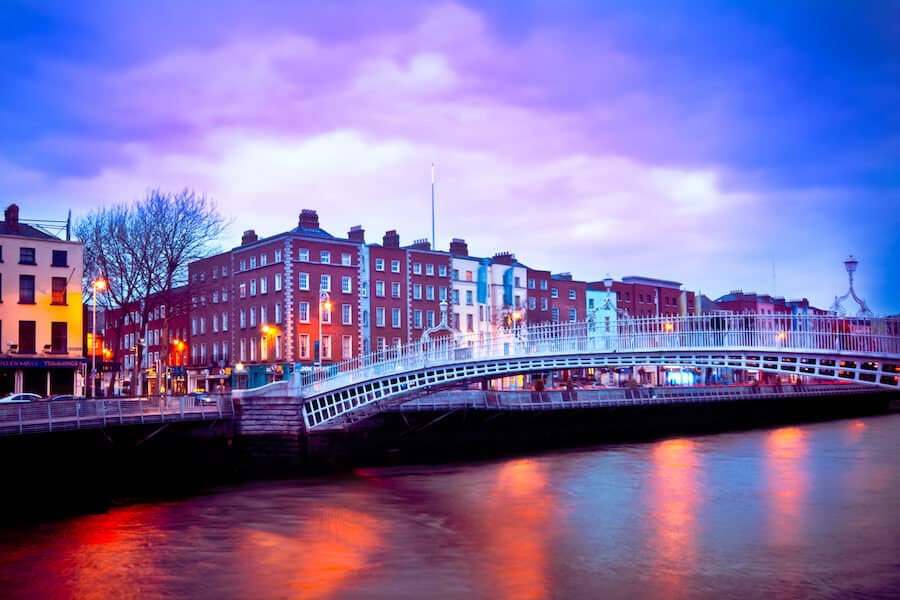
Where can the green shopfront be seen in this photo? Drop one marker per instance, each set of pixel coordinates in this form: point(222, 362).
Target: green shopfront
point(42, 376)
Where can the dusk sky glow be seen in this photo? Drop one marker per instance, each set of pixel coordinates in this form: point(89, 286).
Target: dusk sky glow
point(726, 147)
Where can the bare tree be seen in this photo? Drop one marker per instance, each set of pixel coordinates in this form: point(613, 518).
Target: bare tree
point(143, 251)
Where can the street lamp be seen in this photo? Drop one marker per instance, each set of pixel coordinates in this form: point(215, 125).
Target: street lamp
point(97, 284)
point(324, 303)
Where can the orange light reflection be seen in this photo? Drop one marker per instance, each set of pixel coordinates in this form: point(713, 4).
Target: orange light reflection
point(333, 545)
point(517, 526)
point(674, 506)
point(787, 484)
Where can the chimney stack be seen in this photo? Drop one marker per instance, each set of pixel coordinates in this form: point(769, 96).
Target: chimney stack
point(422, 244)
point(249, 237)
point(505, 258)
point(11, 214)
point(459, 247)
point(309, 219)
point(391, 239)
point(357, 234)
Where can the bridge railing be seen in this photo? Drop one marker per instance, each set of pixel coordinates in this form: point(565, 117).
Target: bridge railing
point(84, 413)
point(762, 332)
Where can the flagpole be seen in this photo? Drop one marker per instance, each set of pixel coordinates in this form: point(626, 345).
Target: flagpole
point(433, 246)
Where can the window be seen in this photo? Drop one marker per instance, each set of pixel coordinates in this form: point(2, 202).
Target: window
point(429, 269)
point(215, 296)
point(442, 270)
point(379, 344)
point(429, 318)
point(243, 319)
point(379, 288)
point(347, 314)
point(379, 264)
point(454, 295)
point(303, 255)
point(26, 257)
point(429, 292)
point(454, 274)
point(379, 316)
point(262, 315)
point(554, 293)
point(470, 322)
point(303, 312)
point(252, 316)
point(303, 281)
point(242, 290)
point(395, 289)
point(554, 314)
point(26, 337)
point(59, 337)
point(346, 347)
point(263, 285)
point(468, 275)
point(26, 289)
point(346, 284)
point(60, 258)
point(395, 266)
point(571, 294)
point(243, 351)
point(224, 321)
point(277, 282)
point(224, 295)
point(395, 318)
point(252, 262)
point(573, 315)
point(417, 268)
point(278, 316)
point(325, 314)
point(544, 303)
point(243, 265)
point(346, 259)
point(532, 303)
point(469, 301)
point(263, 259)
point(215, 323)
point(59, 291)
point(517, 282)
point(224, 271)
point(544, 284)
point(325, 257)
point(442, 293)
point(531, 285)
point(417, 291)
point(417, 319)
point(278, 256)
point(252, 287)
point(304, 346)
point(325, 283)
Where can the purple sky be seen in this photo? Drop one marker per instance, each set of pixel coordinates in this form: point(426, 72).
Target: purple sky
point(722, 147)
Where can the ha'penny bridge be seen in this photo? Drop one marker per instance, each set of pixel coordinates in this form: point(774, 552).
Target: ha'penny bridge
point(864, 352)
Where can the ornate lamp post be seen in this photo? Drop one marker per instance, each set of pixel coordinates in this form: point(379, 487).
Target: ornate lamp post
point(850, 265)
point(324, 306)
point(98, 284)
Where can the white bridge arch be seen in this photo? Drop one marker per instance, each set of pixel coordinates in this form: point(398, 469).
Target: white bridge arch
point(862, 350)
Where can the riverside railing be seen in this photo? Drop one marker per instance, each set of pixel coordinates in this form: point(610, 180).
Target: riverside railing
point(870, 337)
point(58, 415)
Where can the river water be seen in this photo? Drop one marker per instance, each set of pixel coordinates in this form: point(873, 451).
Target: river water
point(799, 511)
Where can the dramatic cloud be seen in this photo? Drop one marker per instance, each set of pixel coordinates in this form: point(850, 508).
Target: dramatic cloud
point(587, 140)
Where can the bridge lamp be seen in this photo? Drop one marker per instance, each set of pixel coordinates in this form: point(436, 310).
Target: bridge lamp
point(668, 326)
point(98, 284)
point(781, 336)
point(324, 306)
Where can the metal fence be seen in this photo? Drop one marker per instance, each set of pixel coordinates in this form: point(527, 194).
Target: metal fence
point(47, 416)
point(831, 334)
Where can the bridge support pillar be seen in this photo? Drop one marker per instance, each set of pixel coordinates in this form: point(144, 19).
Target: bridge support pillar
point(270, 432)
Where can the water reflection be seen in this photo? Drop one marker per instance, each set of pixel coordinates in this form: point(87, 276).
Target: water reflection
point(786, 483)
point(518, 517)
point(328, 551)
point(675, 498)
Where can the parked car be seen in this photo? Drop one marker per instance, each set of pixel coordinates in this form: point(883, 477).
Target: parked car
point(62, 397)
point(19, 398)
point(200, 398)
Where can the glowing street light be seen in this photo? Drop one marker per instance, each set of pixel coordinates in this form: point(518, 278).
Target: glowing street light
point(97, 284)
point(324, 305)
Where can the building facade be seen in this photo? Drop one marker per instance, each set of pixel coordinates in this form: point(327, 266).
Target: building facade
point(41, 310)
